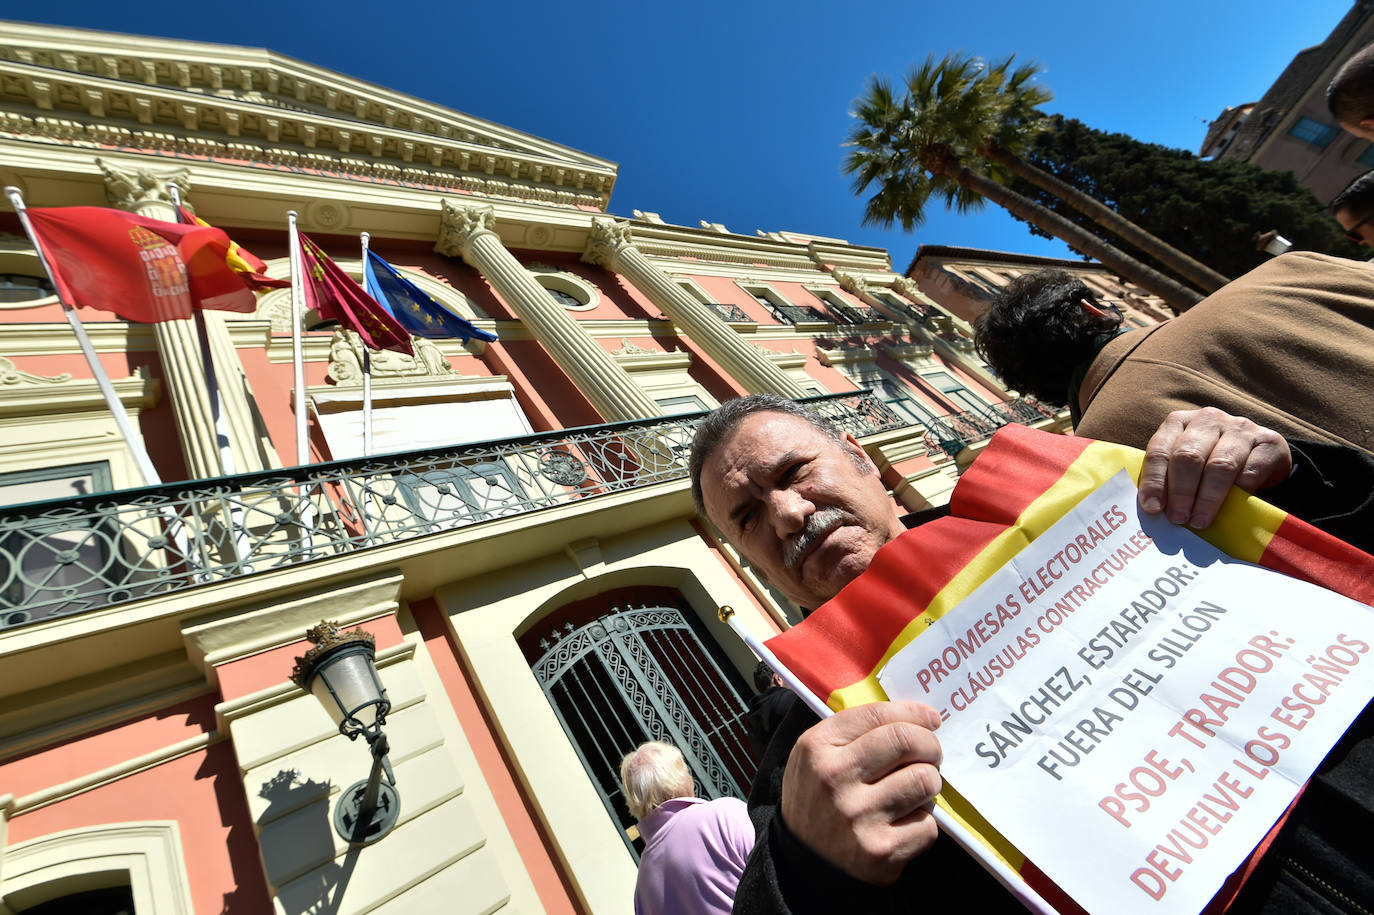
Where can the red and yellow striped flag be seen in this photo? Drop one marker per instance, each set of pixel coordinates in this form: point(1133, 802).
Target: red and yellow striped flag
point(1023, 483)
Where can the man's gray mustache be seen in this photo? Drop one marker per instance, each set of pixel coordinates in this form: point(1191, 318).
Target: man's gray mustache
point(817, 525)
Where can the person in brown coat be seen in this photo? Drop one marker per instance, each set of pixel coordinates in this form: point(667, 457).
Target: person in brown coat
point(1290, 345)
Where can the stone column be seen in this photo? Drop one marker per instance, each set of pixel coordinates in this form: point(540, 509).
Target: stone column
point(468, 232)
point(144, 191)
point(610, 246)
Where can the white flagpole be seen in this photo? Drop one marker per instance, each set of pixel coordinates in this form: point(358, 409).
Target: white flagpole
point(297, 319)
point(121, 416)
point(307, 509)
point(226, 452)
point(1010, 879)
point(367, 373)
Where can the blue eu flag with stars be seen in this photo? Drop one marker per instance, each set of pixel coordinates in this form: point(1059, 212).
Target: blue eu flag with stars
point(412, 307)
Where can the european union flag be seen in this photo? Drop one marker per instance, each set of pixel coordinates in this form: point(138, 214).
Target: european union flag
point(412, 307)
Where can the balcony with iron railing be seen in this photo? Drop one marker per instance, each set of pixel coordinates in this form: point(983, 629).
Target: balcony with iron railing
point(954, 432)
point(798, 314)
point(70, 556)
point(857, 314)
point(731, 313)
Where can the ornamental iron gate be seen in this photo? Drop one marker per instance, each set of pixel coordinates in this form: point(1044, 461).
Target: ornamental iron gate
point(638, 670)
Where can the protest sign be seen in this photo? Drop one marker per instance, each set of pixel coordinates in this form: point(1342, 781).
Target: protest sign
point(1133, 709)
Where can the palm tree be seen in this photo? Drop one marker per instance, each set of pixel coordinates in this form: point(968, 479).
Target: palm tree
point(920, 147)
point(1022, 119)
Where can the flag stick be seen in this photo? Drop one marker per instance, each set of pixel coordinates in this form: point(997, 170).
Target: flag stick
point(307, 507)
point(367, 374)
point(297, 318)
point(1010, 879)
point(121, 416)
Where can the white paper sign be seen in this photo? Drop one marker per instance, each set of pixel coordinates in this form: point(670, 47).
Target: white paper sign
point(1131, 708)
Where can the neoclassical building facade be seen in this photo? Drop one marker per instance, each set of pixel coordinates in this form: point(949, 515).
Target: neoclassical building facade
point(519, 537)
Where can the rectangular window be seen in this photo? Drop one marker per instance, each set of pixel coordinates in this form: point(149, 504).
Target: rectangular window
point(57, 563)
point(673, 406)
point(1314, 132)
point(956, 391)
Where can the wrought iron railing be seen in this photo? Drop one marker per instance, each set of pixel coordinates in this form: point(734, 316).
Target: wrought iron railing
point(799, 314)
point(855, 314)
point(69, 556)
point(956, 431)
point(1025, 410)
point(728, 312)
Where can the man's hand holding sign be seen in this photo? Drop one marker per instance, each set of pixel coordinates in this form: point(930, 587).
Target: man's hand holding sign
point(1146, 693)
point(804, 505)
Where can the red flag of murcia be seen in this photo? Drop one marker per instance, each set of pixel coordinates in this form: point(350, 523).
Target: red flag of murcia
point(138, 268)
point(337, 296)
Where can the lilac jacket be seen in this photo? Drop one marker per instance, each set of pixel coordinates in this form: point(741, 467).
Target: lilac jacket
point(694, 853)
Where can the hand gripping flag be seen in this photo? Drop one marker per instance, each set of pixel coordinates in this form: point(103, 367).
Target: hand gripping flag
point(250, 268)
point(337, 297)
point(1023, 482)
point(416, 311)
point(139, 268)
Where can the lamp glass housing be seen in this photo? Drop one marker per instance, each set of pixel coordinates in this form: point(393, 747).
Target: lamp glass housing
point(345, 681)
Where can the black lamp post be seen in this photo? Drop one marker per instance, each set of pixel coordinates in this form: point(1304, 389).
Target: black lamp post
point(341, 672)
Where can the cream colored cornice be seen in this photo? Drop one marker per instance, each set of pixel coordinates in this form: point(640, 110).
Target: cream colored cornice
point(255, 107)
point(112, 337)
point(264, 77)
point(38, 396)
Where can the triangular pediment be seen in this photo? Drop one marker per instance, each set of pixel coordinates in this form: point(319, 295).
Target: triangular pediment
point(252, 102)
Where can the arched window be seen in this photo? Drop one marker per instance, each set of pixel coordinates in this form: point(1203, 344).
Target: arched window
point(632, 665)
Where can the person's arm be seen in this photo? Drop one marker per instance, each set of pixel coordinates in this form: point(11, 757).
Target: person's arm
point(784, 877)
point(1330, 487)
point(848, 812)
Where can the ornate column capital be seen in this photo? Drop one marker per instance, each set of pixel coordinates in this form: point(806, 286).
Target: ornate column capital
point(460, 225)
point(906, 286)
point(605, 241)
point(143, 190)
point(850, 283)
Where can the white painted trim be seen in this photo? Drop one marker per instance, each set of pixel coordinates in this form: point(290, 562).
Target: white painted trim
point(149, 853)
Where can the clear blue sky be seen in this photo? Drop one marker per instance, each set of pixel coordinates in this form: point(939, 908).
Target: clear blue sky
point(734, 112)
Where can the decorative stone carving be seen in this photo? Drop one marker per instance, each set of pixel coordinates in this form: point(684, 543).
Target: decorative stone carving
point(540, 235)
point(914, 351)
point(850, 283)
point(10, 375)
point(604, 239)
point(630, 349)
point(134, 189)
point(327, 214)
point(906, 286)
point(459, 225)
point(346, 360)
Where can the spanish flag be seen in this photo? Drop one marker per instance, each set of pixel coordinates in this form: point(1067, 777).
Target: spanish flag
point(1023, 483)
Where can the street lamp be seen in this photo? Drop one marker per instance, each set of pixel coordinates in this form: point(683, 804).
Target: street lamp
point(341, 672)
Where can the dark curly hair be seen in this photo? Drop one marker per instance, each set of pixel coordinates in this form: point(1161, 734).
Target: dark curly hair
point(1036, 333)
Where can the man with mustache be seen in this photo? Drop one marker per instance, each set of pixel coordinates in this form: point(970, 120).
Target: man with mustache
point(842, 805)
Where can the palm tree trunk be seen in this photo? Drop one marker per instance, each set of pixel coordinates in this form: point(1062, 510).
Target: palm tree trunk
point(1199, 273)
point(1179, 297)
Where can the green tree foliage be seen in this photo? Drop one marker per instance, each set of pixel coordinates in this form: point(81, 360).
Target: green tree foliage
point(929, 139)
point(1211, 210)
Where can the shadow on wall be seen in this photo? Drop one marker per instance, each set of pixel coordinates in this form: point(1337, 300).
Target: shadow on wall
point(319, 890)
